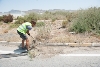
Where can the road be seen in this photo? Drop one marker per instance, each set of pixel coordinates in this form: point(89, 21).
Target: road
point(70, 57)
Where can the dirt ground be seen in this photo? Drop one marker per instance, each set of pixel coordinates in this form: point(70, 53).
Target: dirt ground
point(50, 51)
point(54, 35)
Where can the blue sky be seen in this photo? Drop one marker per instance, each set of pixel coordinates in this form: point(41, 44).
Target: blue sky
point(24, 5)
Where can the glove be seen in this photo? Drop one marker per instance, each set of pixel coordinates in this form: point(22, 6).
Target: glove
point(29, 34)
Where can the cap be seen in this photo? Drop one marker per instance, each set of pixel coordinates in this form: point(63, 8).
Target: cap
point(29, 27)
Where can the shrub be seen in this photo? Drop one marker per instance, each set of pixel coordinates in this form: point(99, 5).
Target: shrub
point(13, 26)
point(40, 24)
point(1, 18)
point(8, 18)
point(87, 21)
point(64, 23)
point(54, 19)
point(20, 20)
point(26, 18)
point(31, 16)
point(43, 34)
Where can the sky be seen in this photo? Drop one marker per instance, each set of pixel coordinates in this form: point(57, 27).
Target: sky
point(24, 5)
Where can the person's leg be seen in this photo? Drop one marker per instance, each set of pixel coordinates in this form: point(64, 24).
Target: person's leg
point(27, 44)
point(24, 37)
point(23, 43)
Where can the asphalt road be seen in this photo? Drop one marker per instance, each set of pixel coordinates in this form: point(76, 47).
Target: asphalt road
point(56, 61)
point(82, 57)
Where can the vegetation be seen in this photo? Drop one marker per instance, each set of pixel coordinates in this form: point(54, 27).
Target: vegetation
point(6, 18)
point(64, 23)
point(13, 26)
point(40, 24)
point(26, 18)
point(43, 33)
point(87, 21)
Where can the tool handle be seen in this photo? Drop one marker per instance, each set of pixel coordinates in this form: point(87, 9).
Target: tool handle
point(31, 36)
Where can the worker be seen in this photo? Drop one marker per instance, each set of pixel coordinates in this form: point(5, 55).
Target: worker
point(22, 30)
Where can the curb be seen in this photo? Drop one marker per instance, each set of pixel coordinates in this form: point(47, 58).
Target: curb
point(74, 44)
point(80, 44)
point(9, 43)
point(56, 44)
point(3, 42)
point(96, 44)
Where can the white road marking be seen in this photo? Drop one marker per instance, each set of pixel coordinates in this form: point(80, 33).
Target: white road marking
point(6, 52)
point(79, 54)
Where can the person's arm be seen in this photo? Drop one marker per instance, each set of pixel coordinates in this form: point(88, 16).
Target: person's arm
point(28, 32)
point(29, 28)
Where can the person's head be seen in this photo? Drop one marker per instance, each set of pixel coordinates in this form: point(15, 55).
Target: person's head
point(33, 22)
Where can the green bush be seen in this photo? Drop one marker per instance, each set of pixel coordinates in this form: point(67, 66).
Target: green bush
point(13, 26)
point(31, 16)
point(87, 21)
point(20, 20)
point(26, 18)
point(64, 23)
point(57, 15)
point(54, 19)
point(40, 24)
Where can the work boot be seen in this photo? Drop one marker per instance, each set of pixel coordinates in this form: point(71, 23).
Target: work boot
point(23, 48)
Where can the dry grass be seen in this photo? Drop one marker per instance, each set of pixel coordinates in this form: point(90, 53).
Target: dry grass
point(48, 33)
point(43, 32)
